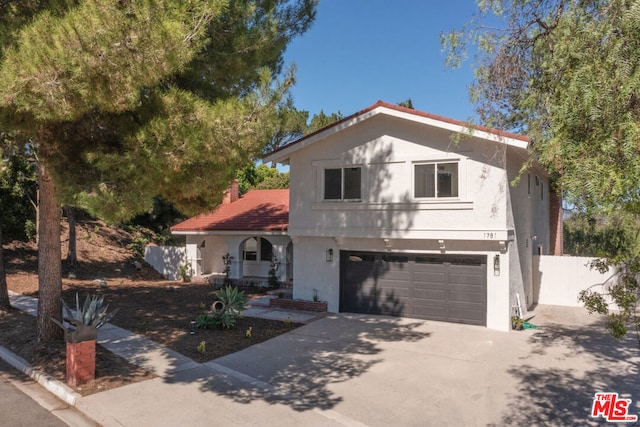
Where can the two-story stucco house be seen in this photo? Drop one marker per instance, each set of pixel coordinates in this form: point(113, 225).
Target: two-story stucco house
point(395, 211)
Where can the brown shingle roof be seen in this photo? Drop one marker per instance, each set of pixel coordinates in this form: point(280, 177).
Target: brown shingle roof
point(258, 210)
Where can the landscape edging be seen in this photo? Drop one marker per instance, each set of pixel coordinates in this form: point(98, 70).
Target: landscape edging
point(62, 391)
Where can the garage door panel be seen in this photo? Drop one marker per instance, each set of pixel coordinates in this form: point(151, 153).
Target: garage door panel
point(398, 291)
point(471, 279)
point(432, 312)
point(429, 277)
point(396, 275)
point(430, 294)
point(465, 293)
point(436, 287)
point(468, 315)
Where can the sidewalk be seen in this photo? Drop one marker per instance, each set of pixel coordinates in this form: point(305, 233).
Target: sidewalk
point(180, 381)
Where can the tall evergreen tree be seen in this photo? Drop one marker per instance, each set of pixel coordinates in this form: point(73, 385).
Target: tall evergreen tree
point(320, 120)
point(128, 100)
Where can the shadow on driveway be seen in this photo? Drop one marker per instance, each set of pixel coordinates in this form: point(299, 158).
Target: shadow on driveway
point(568, 363)
point(297, 369)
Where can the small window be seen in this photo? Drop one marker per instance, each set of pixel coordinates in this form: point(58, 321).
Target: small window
point(250, 251)
point(436, 180)
point(343, 183)
point(542, 191)
point(529, 183)
point(257, 248)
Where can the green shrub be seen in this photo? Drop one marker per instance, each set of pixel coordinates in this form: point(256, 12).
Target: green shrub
point(233, 300)
point(273, 272)
point(228, 306)
point(207, 321)
point(184, 271)
point(30, 229)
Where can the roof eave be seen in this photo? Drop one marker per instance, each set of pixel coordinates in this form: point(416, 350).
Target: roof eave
point(230, 232)
point(282, 155)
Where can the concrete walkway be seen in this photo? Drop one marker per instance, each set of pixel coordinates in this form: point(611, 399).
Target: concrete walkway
point(140, 351)
point(353, 370)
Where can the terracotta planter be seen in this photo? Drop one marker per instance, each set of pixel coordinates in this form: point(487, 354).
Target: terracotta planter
point(81, 362)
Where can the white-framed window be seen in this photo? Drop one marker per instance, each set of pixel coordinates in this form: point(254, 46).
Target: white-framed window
point(257, 248)
point(343, 183)
point(436, 180)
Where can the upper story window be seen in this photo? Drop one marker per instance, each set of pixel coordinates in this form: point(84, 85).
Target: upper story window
point(343, 183)
point(436, 180)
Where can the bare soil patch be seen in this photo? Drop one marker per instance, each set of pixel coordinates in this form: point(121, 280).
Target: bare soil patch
point(148, 305)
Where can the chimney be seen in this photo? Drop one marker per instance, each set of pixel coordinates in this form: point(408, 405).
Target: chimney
point(231, 194)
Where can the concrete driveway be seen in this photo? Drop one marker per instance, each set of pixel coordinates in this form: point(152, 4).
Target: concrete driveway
point(361, 370)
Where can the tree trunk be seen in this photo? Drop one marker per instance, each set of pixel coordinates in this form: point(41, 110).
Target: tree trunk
point(5, 304)
point(49, 259)
point(72, 257)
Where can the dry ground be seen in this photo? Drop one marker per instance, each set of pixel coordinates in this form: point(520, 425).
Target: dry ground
point(149, 305)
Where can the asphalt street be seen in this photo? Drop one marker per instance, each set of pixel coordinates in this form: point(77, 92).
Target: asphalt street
point(17, 408)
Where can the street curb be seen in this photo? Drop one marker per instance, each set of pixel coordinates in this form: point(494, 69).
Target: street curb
point(62, 391)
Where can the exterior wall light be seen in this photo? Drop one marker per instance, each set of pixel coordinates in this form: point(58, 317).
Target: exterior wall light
point(496, 265)
point(329, 255)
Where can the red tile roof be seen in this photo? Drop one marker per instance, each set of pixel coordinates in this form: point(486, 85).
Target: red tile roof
point(258, 210)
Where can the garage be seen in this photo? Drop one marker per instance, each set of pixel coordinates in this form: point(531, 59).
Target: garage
point(449, 288)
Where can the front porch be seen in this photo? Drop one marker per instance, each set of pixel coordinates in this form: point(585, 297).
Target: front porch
point(251, 260)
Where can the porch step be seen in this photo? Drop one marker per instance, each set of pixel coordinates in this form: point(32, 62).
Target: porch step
point(286, 292)
point(262, 301)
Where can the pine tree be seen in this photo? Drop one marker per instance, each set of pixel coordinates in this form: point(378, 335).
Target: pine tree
point(124, 101)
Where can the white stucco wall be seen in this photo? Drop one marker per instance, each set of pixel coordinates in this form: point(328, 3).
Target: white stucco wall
point(529, 204)
point(558, 280)
point(387, 150)
point(315, 273)
point(390, 218)
point(205, 252)
point(165, 259)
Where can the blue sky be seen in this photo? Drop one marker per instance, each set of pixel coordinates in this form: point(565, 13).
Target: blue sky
point(359, 51)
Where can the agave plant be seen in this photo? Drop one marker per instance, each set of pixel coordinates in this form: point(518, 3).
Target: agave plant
point(233, 300)
point(92, 314)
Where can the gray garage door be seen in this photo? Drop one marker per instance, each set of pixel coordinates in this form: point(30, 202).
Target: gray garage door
point(450, 288)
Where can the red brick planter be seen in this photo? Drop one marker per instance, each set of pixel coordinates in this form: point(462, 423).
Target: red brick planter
point(81, 362)
point(298, 304)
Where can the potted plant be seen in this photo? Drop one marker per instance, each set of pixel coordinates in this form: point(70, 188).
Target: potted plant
point(80, 333)
point(517, 323)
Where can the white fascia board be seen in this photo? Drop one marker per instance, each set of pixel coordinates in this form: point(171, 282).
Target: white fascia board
point(453, 127)
point(282, 156)
point(229, 233)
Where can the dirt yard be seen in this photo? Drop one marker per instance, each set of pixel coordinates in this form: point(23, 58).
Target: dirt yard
point(147, 304)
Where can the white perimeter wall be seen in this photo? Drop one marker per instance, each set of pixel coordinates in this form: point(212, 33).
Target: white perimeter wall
point(166, 259)
point(558, 280)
